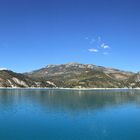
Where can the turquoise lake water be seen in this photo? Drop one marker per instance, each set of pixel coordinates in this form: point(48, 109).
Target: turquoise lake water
point(69, 115)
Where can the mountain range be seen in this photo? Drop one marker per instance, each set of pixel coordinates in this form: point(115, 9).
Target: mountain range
point(71, 75)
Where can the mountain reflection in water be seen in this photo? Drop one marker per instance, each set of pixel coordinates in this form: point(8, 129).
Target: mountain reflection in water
point(53, 114)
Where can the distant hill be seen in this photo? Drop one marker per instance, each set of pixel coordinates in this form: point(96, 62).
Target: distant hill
point(11, 79)
point(74, 75)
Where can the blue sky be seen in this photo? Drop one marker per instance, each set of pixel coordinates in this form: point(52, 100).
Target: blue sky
point(34, 33)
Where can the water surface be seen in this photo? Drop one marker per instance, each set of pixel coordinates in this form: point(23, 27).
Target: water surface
point(69, 115)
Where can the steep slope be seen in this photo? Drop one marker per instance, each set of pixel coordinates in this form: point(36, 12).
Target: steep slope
point(134, 81)
point(82, 75)
point(12, 79)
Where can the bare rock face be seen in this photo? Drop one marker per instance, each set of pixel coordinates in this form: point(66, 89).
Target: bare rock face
point(12, 79)
point(134, 80)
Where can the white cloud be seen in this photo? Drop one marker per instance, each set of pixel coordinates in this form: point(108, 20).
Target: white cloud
point(98, 45)
point(104, 46)
point(93, 50)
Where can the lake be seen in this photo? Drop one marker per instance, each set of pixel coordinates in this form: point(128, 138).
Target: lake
point(53, 114)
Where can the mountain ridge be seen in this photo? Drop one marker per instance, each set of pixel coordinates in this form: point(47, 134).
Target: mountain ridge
point(74, 74)
point(71, 75)
point(76, 63)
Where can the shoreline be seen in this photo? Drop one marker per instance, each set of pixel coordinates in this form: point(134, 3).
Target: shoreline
point(36, 88)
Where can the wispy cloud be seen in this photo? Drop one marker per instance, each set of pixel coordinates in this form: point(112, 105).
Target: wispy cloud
point(93, 50)
point(104, 46)
point(98, 45)
point(92, 40)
